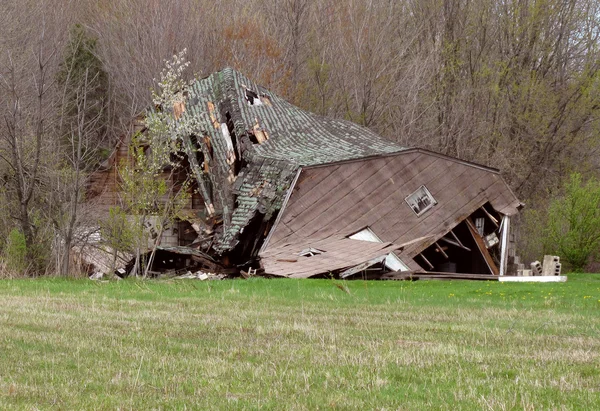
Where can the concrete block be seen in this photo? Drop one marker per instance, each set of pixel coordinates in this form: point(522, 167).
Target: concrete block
point(549, 265)
point(536, 268)
point(526, 273)
point(557, 269)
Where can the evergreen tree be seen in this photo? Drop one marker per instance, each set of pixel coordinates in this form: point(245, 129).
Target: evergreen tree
point(84, 83)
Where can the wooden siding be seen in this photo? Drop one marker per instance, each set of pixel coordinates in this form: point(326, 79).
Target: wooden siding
point(338, 253)
point(341, 199)
point(104, 186)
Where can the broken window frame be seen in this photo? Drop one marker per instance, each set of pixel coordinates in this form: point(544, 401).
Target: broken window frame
point(392, 261)
point(480, 226)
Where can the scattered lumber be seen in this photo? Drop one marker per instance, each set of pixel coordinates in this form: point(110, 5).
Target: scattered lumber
point(199, 275)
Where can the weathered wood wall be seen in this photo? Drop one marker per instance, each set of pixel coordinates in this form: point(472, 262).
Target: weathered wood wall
point(347, 197)
point(104, 186)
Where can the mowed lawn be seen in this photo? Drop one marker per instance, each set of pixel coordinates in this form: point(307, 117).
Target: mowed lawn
point(308, 344)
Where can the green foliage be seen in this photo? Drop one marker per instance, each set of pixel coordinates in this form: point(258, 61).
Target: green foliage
point(140, 179)
point(15, 252)
point(143, 189)
point(80, 62)
point(119, 234)
point(152, 196)
point(117, 231)
point(145, 178)
point(572, 229)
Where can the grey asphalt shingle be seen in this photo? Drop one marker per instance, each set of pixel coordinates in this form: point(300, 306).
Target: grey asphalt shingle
point(296, 138)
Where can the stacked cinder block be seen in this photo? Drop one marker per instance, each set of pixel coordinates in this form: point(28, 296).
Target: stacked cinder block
point(551, 265)
point(557, 269)
point(536, 268)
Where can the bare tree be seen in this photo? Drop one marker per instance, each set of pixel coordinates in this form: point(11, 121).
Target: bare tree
point(66, 179)
point(27, 123)
point(510, 84)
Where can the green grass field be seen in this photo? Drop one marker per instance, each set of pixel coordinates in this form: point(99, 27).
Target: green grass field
point(287, 344)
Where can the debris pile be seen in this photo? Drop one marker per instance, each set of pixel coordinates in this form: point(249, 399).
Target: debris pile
point(200, 275)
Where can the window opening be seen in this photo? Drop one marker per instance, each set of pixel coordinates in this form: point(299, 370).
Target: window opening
point(392, 261)
point(420, 200)
point(310, 252)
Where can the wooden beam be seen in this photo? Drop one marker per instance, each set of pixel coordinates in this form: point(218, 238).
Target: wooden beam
point(362, 266)
point(426, 260)
point(482, 248)
point(491, 217)
point(457, 239)
point(454, 243)
point(441, 250)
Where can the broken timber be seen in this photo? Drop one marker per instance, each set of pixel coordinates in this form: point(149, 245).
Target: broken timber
point(482, 248)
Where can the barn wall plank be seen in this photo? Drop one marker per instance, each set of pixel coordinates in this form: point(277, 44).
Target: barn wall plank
point(343, 198)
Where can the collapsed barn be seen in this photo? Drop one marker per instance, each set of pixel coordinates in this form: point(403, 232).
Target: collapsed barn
point(290, 193)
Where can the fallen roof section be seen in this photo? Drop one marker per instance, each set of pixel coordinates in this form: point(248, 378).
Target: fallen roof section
point(336, 254)
point(255, 141)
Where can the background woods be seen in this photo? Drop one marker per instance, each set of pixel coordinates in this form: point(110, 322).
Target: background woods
point(511, 84)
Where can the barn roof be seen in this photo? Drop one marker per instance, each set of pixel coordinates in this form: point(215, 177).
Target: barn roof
point(273, 138)
point(295, 135)
point(248, 148)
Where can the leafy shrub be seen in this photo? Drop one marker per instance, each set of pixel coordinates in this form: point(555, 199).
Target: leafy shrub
point(572, 228)
point(15, 252)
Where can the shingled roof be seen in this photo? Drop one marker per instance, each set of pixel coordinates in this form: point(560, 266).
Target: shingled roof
point(294, 134)
point(271, 139)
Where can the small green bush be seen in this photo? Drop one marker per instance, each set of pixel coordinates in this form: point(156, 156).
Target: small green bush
point(572, 229)
point(15, 252)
